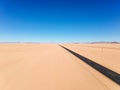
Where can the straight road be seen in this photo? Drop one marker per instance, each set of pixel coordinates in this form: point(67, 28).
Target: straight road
point(46, 67)
point(106, 56)
point(105, 71)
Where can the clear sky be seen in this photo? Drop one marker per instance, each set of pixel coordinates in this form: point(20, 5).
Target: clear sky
point(59, 20)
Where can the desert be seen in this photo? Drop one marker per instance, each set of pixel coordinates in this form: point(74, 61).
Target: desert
point(59, 44)
point(50, 67)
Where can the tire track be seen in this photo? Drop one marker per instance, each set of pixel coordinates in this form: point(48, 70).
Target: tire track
point(114, 76)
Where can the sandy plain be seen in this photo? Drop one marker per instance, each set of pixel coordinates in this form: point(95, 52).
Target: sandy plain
point(107, 55)
point(50, 67)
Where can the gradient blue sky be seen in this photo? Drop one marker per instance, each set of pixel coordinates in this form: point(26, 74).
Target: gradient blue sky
point(59, 20)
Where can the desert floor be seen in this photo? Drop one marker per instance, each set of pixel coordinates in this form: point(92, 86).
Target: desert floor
point(50, 67)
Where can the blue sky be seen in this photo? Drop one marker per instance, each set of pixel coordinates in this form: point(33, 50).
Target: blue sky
point(59, 20)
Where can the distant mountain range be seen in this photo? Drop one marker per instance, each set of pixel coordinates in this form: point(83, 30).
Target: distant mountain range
point(114, 42)
point(101, 42)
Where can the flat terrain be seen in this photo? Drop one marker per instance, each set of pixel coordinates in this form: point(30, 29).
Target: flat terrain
point(50, 67)
point(107, 55)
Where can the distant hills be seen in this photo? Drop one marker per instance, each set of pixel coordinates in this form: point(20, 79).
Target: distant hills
point(101, 42)
point(114, 42)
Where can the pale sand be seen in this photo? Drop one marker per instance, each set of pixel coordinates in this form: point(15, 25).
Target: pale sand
point(107, 55)
point(48, 67)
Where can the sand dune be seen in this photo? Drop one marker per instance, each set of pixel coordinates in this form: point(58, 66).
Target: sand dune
point(50, 67)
